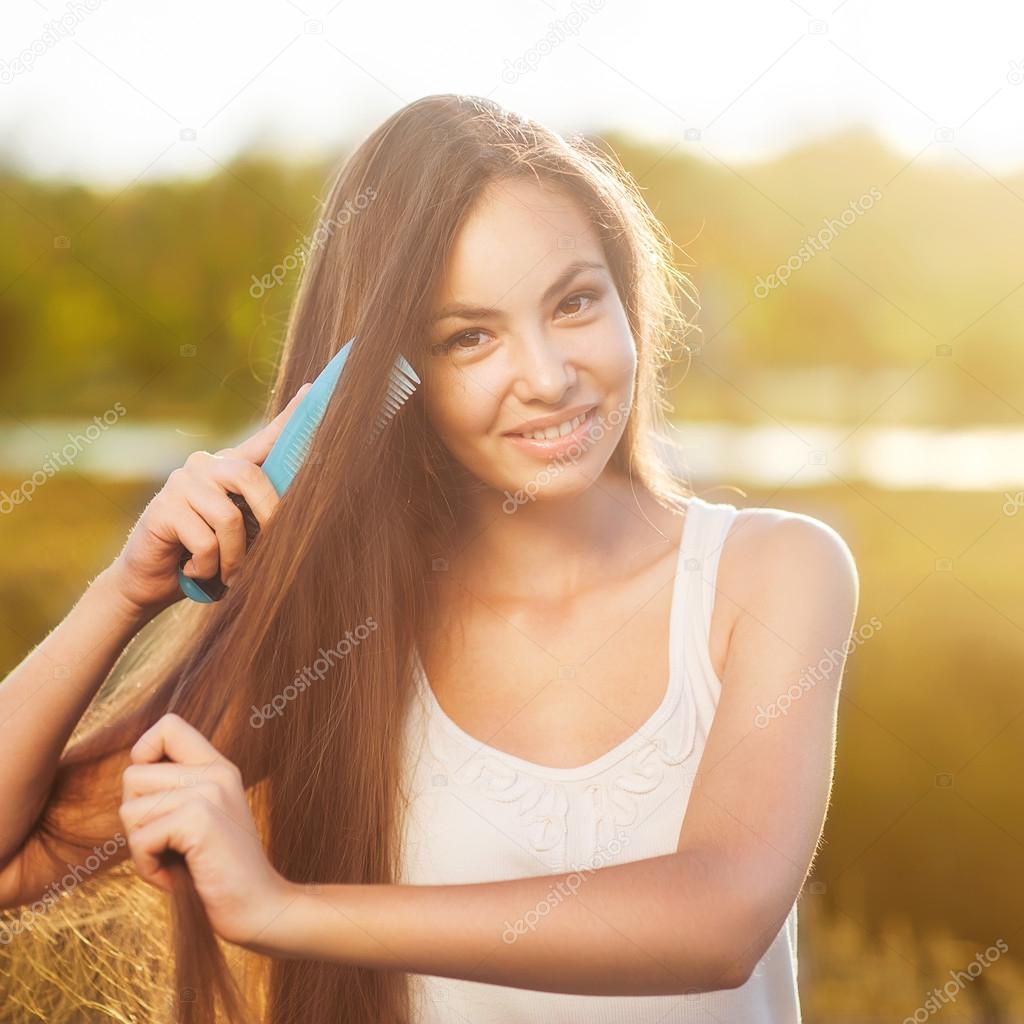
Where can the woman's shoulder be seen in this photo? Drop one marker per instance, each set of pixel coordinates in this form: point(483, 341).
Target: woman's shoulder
point(769, 547)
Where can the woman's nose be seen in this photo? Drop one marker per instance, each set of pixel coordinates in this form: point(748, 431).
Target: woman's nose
point(543, 371)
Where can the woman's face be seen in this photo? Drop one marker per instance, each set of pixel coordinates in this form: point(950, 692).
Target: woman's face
point(529, 328)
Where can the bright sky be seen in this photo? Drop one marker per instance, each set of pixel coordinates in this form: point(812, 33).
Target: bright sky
point(113, 90)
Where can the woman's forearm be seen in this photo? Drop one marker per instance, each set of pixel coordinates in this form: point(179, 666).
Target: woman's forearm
point(648, 927)
point(45, 696)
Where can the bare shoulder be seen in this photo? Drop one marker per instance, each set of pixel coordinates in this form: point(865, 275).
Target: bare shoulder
point(781, 574)
point(772, 553)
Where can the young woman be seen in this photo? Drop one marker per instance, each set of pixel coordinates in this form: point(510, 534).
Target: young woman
point(497, 721)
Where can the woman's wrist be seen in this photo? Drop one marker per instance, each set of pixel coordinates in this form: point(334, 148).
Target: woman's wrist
point(292, 923)
point(124, 612)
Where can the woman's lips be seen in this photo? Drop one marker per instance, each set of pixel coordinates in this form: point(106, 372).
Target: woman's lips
point(555, 445)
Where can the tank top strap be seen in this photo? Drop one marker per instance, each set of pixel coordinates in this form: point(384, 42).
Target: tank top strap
point(701, 555)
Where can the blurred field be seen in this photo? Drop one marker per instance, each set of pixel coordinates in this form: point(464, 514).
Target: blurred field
point(912, 318)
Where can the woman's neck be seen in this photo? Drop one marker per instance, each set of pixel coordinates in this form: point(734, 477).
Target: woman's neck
point(549, 550)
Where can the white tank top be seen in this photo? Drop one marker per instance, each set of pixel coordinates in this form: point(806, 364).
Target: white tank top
point(478, 814)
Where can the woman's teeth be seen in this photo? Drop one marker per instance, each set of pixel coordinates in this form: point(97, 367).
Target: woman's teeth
point(549, 433)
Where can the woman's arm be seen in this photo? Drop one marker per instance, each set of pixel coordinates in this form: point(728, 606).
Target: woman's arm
point(643, 927)
point(695, 920)
point(647, 927)
point(766, 772)
point(43, 699)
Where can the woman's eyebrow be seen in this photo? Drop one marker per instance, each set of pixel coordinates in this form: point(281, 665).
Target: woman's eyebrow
point(456, 310)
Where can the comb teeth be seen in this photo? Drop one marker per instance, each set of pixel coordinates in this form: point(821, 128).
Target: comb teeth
point(291, 449)
point(402, 382)
point(295, 453)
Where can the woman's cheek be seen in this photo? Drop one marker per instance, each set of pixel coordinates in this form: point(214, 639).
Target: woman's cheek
point(457, 415)
point(464, 401)
point(613, 357)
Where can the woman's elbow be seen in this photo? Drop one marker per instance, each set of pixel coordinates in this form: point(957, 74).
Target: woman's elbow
point(726, 935)
point(755, 929)
point(709, 966)
point(729, 972)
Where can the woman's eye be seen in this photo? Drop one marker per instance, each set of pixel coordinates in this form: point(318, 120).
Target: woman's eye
point(584, 300)
point(453, 342)
point(578, 297)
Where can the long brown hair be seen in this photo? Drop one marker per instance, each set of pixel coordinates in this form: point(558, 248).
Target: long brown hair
point(353, 541)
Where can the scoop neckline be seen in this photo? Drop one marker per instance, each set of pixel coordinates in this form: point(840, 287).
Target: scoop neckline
point(654, 721)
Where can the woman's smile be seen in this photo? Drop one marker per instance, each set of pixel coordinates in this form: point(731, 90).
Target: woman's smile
point(578, 432)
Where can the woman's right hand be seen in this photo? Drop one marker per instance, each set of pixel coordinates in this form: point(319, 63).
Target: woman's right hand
point(193, 511)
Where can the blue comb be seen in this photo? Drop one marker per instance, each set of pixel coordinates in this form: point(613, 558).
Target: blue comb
point(292, 445)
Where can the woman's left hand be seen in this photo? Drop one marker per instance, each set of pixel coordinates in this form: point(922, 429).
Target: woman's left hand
point(195, 803)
